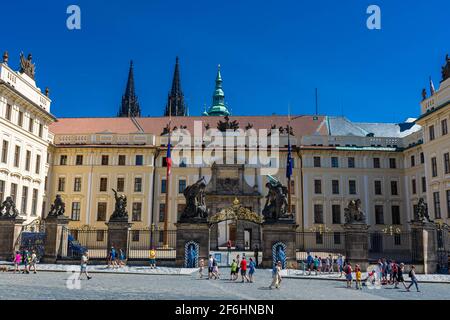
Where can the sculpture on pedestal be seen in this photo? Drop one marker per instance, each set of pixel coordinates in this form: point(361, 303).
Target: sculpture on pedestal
point(353, 213)
point(26, 66)
point(422, 211)
point(120, 211)
point(58, 207)
point(8, 208)
point(276, 206)
point(195, 209)
point(446, 69)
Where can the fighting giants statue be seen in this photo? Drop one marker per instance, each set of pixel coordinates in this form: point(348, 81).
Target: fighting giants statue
point(421, 213)
point(57, 208)
point(353, 213)
point(8, 209)
point(27, 66)
point(276, 206)
point(195, 209)
point(446, 69)
point(120, 211)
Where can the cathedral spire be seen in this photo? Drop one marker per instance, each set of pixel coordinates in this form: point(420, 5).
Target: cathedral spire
point(175, 100)
point(130, 106)
point(218, 107)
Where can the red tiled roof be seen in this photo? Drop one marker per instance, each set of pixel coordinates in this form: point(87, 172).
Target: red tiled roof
point(303, 125)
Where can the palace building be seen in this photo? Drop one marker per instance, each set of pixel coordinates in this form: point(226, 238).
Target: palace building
point(389, 167)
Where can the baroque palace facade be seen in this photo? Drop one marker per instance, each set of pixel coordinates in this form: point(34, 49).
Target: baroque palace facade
point(388, 167)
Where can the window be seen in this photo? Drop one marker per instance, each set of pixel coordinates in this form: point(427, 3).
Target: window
point(101, 211)
point(34, 201)
point(397, 239)
point(105, 160)
point(376, 163)
point(337, 237)
point(392, 163)
point(351, 162)
point(138, 184)
point(378, 187)
point(334, 162)
point(120, 184)
point(181, 185)
point(413, 161)
point(139, 160)
point(162, 212)
point(395, 210)
point(379, 214)
point(77, 184)
point(20, 119)
point(31, 125)
point(16, 156)
point(446, 163)
point(103, 184)
point(431, 131)
point(437, 205)
point(335, 186)
point(27, 160)
point(137, 209)
point(8, 112)
point(447, 192)
point(413, 186)
point(76, 210)
point(100, 235)
point(135, 235)
point(122, 160)
point(424, 184)
point(317, 186)
point(319, 238)
point(444, 127)
point(394, 188)
point(23, 207)
point(352, 186)
point(13, 192)
point(61, 184)
point(79, 160)
point(38, 164)
point(318, 213)
point(2, 190)
point(317, 162)
point(41, 130)
point(422, 158)
point(434, 167)
point(336, 213)
point(5, 151)
point(63, 160)
point(163, 186)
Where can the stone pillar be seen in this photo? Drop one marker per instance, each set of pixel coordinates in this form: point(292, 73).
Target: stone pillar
point(424, 245)
point(118, 230)
point(197, 232)
point(56, 240)
point(357, 244)
point(273, 233)
point(10, 229)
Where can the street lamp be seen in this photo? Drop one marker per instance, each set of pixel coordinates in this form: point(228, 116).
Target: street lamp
point(391, 230)
point(321, 228)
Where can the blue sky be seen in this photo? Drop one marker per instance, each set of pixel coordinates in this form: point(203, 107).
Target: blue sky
point(272, 53)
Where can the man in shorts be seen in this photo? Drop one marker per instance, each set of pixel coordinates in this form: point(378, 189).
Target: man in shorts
point(244, 269)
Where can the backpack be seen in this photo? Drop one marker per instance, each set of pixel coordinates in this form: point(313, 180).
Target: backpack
point(410, 274)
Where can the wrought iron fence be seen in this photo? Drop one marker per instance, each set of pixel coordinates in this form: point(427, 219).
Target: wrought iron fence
point(82, 240)
point(398, 246)
point(32, 238)
point(320, 243)
point(141, 241)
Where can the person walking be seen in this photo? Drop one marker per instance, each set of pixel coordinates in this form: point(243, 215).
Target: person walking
point(276, 276)
point(400, 279)
point(152, 258)
point(244, 270)
point(251, 270)
point(394, 272)
point(320, 266)
point(122, 258)
point(83, 266)
point(340, 265)
point(113, 254)
point(17, 261)
point(215, 272)
point(316, 264)
point(309, 263)
point(358, 276)
point(238, 262)
point(256, 254)
point(348, 274)
point(201, 265)
point(233, 274)
point(412, 276)
point(210, 266)
point(33, 261)
point(25, 261)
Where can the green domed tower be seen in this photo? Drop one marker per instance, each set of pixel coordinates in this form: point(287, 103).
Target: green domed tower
point(218, 107)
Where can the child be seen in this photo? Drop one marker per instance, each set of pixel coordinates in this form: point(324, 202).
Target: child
point(25, 261)
point(215, 270)
point(233, 270)
point(17, 260)
point(122, 258)
point(201, 266)
point(348, 274)
point(152, 258)
point(358, 277)
point(33, 261)
point(251, 269)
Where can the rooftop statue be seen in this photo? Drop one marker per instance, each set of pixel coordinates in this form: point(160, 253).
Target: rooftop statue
point(8, 208)
point(27, 66)
point(446, 69)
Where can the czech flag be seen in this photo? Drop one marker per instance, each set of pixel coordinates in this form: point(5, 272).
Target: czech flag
point(168, 157)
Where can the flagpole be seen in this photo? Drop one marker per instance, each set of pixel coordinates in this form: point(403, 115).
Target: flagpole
point(289, 146)
point(166, 213)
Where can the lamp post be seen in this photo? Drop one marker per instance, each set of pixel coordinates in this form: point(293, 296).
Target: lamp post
point(391, 230)
point(320, 228)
